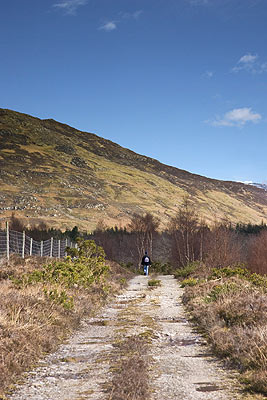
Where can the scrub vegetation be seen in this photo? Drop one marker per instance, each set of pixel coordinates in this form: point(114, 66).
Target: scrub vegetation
point(130, 370)
point(230, 305)
point(43, 302)
point(154, 283)
point(222, 267)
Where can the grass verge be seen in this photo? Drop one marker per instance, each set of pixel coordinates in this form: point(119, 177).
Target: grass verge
point(130, 371)
point(42, 303)
point(154, 283)
point(230, 306)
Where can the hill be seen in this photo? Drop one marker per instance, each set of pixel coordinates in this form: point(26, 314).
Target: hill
point(52, 172)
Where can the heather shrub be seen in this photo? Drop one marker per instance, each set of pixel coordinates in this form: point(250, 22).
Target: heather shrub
point(220, 290)
point(241, 272)
point(189, 282)
point(229, 271)
point(231, 308)
point(158, 267)
point(188, 270)
point(41, 304)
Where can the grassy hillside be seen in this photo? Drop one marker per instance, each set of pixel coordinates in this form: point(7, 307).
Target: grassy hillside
point(52, 172)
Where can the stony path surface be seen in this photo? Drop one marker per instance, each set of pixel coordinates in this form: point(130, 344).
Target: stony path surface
point(181, 367)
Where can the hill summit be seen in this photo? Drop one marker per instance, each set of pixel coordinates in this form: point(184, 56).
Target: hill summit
point(54, 173)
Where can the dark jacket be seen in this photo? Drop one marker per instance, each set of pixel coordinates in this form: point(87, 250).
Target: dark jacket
point(146, 260)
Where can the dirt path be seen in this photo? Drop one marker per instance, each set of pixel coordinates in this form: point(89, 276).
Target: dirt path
point(180, 366)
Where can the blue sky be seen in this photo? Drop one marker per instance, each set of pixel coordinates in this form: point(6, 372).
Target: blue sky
point(182, 81)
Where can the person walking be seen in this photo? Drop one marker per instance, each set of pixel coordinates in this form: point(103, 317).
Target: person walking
point(146, 262)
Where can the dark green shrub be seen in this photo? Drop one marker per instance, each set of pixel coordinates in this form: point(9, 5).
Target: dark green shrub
point(161, 268)
point(258, 280)
point(189, 282)
point(60, 297)
point(238, 270)
point(219, 290)
point(186, 271)
point(81, 268)
point(241, 272)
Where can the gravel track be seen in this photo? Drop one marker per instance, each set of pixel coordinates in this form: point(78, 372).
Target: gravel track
point(180, 364)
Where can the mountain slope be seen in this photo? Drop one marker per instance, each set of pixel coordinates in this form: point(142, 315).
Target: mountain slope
point(259, 185)
point(50, 171)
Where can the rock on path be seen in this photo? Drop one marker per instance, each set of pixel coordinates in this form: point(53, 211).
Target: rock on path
point(181, 367)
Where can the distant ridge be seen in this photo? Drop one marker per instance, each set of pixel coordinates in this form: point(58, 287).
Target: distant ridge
point(52, 172)
point(259, 185)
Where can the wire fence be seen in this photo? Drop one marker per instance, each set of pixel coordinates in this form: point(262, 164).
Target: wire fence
point(12, 242)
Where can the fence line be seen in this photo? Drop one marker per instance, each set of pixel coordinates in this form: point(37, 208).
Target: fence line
point(12, 242)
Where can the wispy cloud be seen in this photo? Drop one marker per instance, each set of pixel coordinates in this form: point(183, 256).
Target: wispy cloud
point(248, 59)
point(208, 74)
point(242, 4)
point(237, 117)
point(69, 7)
point(123, 17)
point(250, 63)
point(109, 26)
point(134, 15)
point(198, 2)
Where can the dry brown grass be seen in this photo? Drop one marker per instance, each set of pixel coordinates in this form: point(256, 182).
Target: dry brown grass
point(130, 370)
point(31, 325)
point(232, 314)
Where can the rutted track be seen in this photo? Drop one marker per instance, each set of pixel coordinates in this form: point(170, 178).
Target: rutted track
point(180, 364)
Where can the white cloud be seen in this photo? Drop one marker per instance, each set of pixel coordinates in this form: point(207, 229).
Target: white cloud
point(112, 25)
point(250, 63)
point(237, 117)
point(135, 14)
point(69, 7)
point(264, 67)
point(198, 2)
point(248, 58)
point(109, 26)
point(224, 3)
point(208, 74)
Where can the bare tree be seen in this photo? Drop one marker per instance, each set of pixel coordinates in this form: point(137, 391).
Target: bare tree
point(184, 227)
point(15, 224)
point(257, 253)
point(145, 228)
point(222, 246)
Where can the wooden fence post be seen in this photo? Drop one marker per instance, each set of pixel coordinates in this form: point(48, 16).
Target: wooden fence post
point(7, 241)
point(31, 247)
point(51, 248)
point(66, 245)
point(23, 245)
point(42, 248)
point(58, 253)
